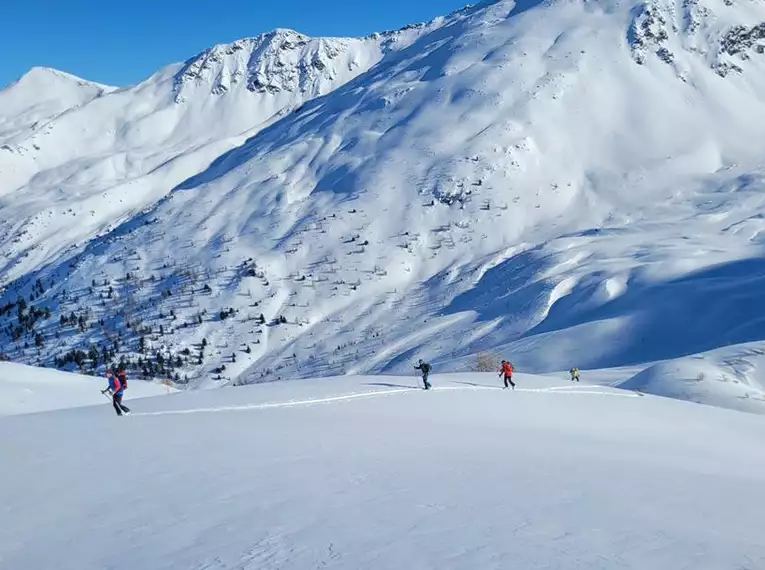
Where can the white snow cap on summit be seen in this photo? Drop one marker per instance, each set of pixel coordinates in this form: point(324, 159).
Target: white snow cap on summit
point(41, 74)
point(40, 95)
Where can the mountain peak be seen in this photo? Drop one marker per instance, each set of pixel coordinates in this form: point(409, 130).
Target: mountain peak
point(41, 75)
point(282, 32)
point(40, 95)
point(279, 61)
point(43, 71)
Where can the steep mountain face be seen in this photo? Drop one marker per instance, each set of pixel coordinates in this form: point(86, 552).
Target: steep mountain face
point(278, 62)
point(574, 182)
point(94, 157)
point(662, 29)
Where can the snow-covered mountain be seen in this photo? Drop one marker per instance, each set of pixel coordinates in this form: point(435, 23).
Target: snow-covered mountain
point(569, 182)
point(41, 94)
point(106, 154)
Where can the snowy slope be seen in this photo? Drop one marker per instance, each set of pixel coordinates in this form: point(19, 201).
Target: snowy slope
point(729, 377)
point(39, 96)
point(365, 472)
point(25, 389)
point(96, 161)
point(573, 183)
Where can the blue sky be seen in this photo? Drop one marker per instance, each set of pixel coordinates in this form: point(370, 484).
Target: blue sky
point(120, 42)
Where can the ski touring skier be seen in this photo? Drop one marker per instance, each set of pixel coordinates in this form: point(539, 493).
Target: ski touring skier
point(117, 387)
point(424, 367)
point(506, 369)
point(574, 374)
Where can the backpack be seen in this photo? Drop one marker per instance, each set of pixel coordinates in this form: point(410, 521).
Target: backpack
point(425, 367)
point(122, 377)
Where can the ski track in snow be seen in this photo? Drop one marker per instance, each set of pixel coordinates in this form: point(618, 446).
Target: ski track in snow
point(425, 481)
point(584, 390)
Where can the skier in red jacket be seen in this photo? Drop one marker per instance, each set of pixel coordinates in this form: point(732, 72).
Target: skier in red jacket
point(507, 369)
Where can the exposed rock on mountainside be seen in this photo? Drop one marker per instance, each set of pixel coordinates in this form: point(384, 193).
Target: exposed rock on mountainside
point(282, 60)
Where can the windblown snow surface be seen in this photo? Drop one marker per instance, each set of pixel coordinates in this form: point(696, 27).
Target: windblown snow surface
point(371, 472)
point(569, 183)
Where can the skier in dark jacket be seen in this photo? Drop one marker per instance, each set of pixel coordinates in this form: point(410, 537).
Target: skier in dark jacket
point(425, 368)
point(117, 385)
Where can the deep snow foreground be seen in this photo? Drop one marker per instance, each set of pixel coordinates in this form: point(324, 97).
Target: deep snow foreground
point(366, 472)
point(25, 389)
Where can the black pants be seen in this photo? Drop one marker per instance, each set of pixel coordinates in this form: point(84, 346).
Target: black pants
point(425, 381)
point(509, 380)
point(118, 407)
